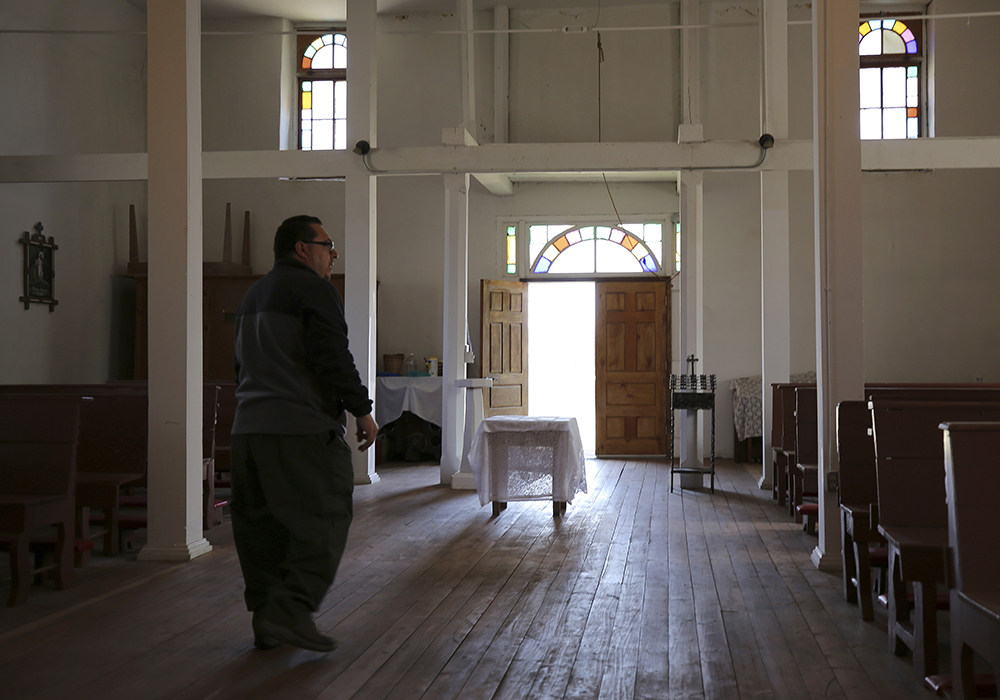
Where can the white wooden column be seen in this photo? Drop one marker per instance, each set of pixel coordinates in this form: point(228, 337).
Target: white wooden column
point(466, 23)
point(175, 282)
point(775, 282)
point(360, 215)
point(690, 129)
point(501, 73)
point(692, 317)
point(839, 300)
point(456, 318)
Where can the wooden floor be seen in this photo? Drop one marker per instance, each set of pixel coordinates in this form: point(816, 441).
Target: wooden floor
point(634, 593)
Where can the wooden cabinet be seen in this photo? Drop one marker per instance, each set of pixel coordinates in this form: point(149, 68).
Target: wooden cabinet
point(222, 294)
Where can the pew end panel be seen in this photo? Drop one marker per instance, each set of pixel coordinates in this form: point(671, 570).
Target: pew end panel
point(913, 515)
point(972, 477)
point(38, 440)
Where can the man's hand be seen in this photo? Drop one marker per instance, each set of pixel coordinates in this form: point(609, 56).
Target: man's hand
point(367, 430)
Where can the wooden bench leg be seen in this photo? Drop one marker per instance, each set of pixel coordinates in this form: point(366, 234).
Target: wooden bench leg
point(863, 580)
point(82, 558)
point(781, 478)
point(64, 555)
point(497, 507)
point(848, 553)
point(925, 652)
point(111, 547)
point(20, 570)
point(898, 607)
point(795, 492)
point(558, 508)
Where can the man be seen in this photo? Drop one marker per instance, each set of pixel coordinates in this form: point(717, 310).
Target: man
point(292, 475)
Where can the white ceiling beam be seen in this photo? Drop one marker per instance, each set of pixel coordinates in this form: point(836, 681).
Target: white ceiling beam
point(508, 159)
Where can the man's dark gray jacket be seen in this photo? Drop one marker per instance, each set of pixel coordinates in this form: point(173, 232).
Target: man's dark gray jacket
point(295, 374)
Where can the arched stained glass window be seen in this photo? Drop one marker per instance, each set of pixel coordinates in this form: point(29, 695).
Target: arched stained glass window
point(629, 248)
point(890, 55)
point(323, 92)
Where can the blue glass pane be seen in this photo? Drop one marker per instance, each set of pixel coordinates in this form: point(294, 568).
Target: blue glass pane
point(542, 265)
point(648, 264)
point(911, 46)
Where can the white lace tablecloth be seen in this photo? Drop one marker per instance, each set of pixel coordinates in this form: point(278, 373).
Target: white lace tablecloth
point(528, 458)
point(418, 395)
point(747, 399)
point(747, 403)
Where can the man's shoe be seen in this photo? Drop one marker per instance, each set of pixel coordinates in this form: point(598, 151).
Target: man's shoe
point(301, 634)
point(260, 640)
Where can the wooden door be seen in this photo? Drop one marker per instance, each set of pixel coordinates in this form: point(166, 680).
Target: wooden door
point(632, 356)
point(504, 346)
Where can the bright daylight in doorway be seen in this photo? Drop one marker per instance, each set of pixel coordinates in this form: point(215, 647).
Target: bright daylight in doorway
point(561, 374)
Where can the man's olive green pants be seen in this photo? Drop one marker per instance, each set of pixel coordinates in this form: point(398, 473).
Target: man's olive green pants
point(291, 510)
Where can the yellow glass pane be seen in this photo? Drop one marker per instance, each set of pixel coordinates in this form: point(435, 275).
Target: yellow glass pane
point(511, 250)
point(864, 29)
point(307, 100)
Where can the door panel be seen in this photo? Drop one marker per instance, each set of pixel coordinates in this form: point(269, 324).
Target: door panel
point(632, 345)
point(504, 306)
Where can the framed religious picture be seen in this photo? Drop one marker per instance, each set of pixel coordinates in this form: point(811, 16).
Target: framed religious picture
point(39, 268)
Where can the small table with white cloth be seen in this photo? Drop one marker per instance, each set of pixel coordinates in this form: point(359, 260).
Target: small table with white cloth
point(418, 395)
point(528, 458)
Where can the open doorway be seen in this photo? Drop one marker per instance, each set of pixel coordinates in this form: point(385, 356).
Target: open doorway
point(561, 382)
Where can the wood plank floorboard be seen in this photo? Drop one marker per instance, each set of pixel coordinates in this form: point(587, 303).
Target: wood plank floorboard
point(636, 593)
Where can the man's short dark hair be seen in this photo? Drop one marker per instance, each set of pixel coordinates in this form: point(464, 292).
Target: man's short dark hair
point(292, 230)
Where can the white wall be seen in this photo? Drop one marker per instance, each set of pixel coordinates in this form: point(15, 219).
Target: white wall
point(930, 241)
point(70, 93)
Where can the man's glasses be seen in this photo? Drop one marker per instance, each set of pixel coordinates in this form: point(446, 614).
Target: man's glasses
point(326, 244)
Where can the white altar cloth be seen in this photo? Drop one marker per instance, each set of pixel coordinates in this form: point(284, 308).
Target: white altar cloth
point(528, 458)
point(418, 395)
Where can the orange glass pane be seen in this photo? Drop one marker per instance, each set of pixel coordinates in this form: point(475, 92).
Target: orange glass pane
point(306, 62)
point(561, 243)
point(629, 242)
point(911, 111)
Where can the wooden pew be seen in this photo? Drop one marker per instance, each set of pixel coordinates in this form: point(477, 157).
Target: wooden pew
point(223, 433)
point(863, 546)
point(112, 454)
point(99, 479)
point(38, 442)
point(782, 438)
point(803, 479)
point(972, 483)
point(913, 517)
point(212, 508)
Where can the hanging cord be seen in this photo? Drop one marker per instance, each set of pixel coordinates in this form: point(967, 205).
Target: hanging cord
point(600, 134)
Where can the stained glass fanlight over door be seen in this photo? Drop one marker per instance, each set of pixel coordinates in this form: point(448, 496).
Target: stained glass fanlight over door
point(629, 248)
point(890, 80)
